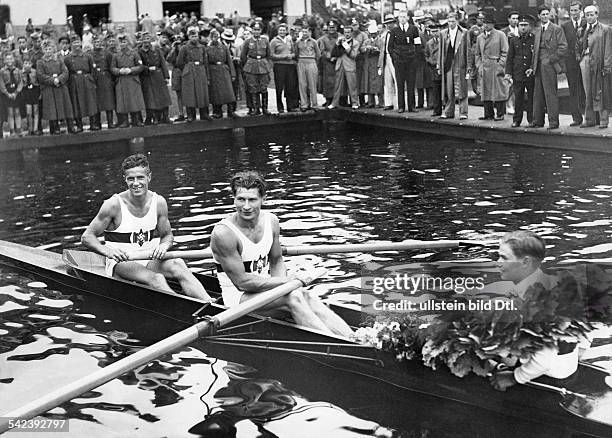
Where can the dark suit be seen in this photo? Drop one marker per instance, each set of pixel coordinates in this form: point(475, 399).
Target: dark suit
point(572, 65)
point(404, 53)
point(550, 48)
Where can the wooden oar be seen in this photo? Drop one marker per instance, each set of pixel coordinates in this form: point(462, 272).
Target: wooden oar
point(146, 355)
point(406, 245)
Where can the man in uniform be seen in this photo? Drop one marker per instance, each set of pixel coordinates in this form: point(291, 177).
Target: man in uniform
point(82, 86)
point(518, 68)
point(193, 63)
point(154, 82)
point(550, 47)
point(255, 58)
point(246, 268)
point(126, 65)
point(105, 85)
point(137, 219)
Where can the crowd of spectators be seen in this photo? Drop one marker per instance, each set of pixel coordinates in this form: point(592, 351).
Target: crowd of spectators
point(409, 61)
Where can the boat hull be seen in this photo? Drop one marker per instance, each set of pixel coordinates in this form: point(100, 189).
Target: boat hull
point(343, 369)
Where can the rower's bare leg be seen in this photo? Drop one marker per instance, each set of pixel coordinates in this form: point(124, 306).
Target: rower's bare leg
point(178, 270)
point(133, 271)
point(329, 317)
point(295, 304)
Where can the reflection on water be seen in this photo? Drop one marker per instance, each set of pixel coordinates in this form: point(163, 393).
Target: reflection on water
point(329, 186)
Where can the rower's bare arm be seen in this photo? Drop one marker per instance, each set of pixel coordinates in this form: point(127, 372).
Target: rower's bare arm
point(164, 229)
point(96, 229)
point(277, 264)
point(224, 245)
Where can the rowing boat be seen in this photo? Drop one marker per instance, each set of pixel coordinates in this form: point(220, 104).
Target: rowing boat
point(258, 341)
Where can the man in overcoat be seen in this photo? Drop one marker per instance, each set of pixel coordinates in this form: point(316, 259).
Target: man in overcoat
point(490, 55)
point(596, 65)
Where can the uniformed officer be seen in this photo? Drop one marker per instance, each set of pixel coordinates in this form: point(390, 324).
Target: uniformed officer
point(255, 58)
point(518, 67)
point(82, 86)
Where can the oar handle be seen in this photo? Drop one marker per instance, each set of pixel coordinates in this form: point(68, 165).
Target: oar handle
point(370, 247)
point(406, 245)
point(146, 355)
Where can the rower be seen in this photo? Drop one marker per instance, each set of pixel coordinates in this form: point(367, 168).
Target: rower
point(249, 260)
point(137, 219)
point(520, 260)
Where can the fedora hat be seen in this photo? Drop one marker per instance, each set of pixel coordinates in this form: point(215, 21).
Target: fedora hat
point(389, 18)
point(228, 34)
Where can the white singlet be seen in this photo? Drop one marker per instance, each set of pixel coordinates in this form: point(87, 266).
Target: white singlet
point(133, 233)
point(254, 256)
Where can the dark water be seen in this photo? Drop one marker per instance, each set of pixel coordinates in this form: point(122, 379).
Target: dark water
point(326, 185)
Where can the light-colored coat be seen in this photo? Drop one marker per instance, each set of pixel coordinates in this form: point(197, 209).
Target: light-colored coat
point(491, 52)
point(600, 48)
point(460, 60)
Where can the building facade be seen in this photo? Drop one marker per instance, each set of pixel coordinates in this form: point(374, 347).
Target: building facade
point(126, 11)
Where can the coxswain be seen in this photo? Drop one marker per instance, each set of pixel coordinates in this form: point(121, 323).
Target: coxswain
point(520, 259)
point(249, 260)
point(137, 219)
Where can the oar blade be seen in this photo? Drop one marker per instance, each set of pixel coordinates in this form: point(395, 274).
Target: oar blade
point(597, 408)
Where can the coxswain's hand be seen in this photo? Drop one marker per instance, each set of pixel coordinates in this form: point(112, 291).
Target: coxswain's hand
point(503, 380)
point(380, 72)
point(117, 254)
point(528, 72)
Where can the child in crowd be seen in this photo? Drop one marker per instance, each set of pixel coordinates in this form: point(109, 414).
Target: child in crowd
point(10, 90)
point(30, 95)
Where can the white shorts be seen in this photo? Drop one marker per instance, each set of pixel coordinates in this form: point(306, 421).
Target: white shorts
point(111, 263)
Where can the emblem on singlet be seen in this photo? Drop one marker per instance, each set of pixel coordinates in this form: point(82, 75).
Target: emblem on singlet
point(140, 237)
point(259, 264)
